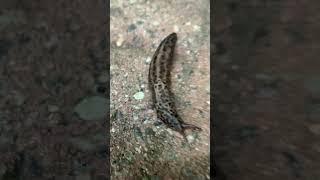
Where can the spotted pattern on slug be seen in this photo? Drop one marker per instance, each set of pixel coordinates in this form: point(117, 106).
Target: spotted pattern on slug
point(159, 85)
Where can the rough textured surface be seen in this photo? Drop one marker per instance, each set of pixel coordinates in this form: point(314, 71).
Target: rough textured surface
point(141, 146)
point(266, 76)
point(52, 55)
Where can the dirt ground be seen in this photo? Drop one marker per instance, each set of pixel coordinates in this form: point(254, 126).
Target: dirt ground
point(52, 89)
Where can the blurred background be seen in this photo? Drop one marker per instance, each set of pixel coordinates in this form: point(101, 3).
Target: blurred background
point(267, 89)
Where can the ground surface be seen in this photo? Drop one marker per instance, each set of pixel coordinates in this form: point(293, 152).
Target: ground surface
point(141, 146)
point(52, 85)
point(267, 89)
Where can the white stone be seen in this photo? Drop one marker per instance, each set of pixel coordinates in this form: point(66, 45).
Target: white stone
point(148, 60)
point(190, 138)
point(176, 28)
point(196, 28)
point(138, 150)
point(155, 23)
point(138, 95)
point(120, 41)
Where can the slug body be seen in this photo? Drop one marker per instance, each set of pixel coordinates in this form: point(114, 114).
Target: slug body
point(159, 83)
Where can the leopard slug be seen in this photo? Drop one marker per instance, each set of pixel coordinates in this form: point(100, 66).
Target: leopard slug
point(159, 83)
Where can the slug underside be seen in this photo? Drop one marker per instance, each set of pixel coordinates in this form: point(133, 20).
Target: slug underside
point(159, 84)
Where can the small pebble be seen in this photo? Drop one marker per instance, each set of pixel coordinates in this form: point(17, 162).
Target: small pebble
point(148, 60)
point(190, 138)
point(138, 95)
point(193, 86)
point(170, 131)
point(120, 41)
point(176, 28)
point(138, 150)
point(132, 27)
point(147, 122)
point(155, 23)
point(91, 108)
point(190, 40)
point(196, 28)
point(149, 111)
